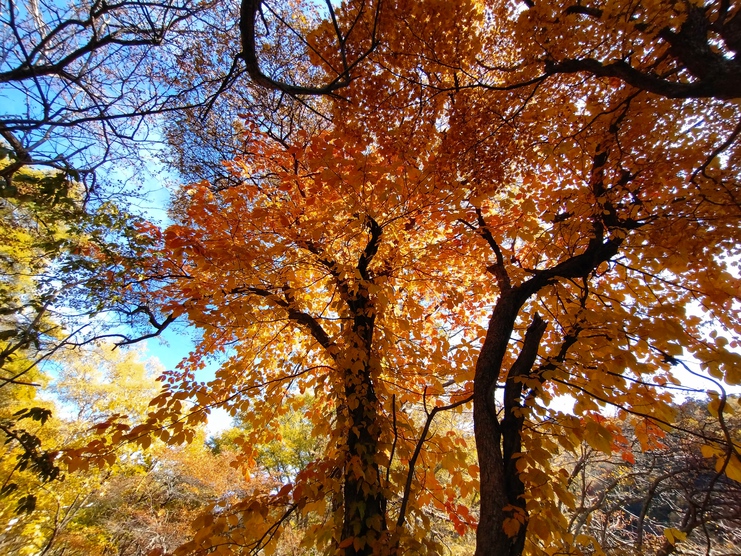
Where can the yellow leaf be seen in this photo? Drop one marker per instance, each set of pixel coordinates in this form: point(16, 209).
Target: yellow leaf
point(511, 527)
point(733, 469)
point(674, 535)
point(598, 437)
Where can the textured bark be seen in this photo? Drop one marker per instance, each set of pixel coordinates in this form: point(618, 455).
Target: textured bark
point(497, 442)
point(364, 504)
point(363, 499)
point(490, 537)
point(513, 421)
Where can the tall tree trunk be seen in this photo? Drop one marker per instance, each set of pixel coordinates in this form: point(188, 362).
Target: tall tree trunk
point(499, 443)
point(490, 536)
point(491, 540)
point(364, 504)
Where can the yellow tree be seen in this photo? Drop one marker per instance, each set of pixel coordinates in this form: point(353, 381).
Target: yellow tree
point(47, 232)
point(37, 510)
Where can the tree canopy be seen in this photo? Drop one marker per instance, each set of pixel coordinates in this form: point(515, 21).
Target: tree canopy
point(435, 221)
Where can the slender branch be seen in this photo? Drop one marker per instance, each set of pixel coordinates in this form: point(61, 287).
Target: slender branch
point(396, 437)
point(498, 269)
point(304, 319)
point(417, 450)
point(717, 151)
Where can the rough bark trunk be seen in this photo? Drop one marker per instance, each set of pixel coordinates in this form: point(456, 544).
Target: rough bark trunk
point(364, 516)
point(498, 443)
point(491, 539)
point(512, 426)
point(364, 503)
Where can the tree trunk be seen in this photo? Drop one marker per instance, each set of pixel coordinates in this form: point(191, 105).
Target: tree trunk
point(491, 540)
point(364, 504)
point(490, 537)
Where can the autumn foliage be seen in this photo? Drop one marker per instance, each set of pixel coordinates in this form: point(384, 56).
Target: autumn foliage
point(481, 210)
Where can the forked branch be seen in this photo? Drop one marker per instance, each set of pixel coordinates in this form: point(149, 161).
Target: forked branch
point(249, 11)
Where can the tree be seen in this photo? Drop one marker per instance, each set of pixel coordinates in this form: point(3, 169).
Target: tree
point(48, 276)
point(26, 461)
point(324, 303)
point(33, 232)
point(247, 261)
point(135, 500)
point(42, 504)
point(35, 212)
point(149, 500)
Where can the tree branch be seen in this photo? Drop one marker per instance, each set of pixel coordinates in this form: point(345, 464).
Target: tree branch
point(417, 450)
point(304, 319)
point(249, 10)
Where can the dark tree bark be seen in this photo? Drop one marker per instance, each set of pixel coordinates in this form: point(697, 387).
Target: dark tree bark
point(709, 72)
